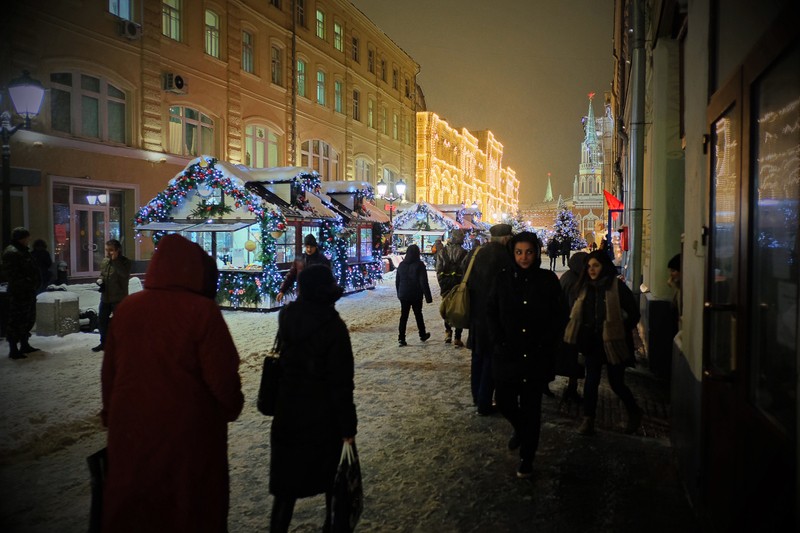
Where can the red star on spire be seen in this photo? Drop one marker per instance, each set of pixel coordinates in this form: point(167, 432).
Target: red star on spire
point(591, 96)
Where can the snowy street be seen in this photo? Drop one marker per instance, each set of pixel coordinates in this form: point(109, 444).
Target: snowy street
point(430, 464)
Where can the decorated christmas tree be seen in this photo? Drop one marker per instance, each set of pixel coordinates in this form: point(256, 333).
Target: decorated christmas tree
point(519, 224)
point(566, 227)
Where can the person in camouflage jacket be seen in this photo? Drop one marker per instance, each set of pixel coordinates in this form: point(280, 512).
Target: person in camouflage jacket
point(20, 271)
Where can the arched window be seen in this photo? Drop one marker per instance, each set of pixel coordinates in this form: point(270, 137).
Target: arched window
point(190, 132)
point(363, 170)
point(87, 106)
point(262, 147)
point(320, 156)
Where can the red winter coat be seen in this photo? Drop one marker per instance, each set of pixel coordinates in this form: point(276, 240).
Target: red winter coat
point(170, 386)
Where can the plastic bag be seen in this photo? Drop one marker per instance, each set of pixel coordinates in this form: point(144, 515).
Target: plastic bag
point(348, 492)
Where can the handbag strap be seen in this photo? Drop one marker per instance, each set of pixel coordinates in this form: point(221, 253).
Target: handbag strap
point(469, 268)
point(276, 344)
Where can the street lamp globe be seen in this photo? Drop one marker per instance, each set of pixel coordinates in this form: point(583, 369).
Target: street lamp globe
point(381, 186)
point(400, 188)
point(27, 96)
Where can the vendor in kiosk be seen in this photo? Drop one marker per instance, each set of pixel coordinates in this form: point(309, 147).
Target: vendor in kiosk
point(311, 256)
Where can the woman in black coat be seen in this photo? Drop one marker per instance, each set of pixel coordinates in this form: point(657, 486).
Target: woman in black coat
point(411, 282)
point(314, 412)
point(601, 324)
point(527, 313)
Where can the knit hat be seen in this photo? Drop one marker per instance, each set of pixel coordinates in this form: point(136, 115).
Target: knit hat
point(317, 284)
point(500, 230)
point(17, 234)
point(310, 240)
point(457, 236)
point(675, 263)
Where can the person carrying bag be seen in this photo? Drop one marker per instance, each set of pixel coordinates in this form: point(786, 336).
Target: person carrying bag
point(455, 304)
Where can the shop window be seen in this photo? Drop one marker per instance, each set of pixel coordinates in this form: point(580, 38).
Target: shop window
point(285, 246)
point(366, 244)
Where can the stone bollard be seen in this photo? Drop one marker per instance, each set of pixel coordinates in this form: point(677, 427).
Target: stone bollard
point(57, 313)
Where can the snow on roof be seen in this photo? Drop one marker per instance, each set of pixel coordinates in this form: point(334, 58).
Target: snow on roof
point(338, 187)
point(320, 210)
point(277, 174)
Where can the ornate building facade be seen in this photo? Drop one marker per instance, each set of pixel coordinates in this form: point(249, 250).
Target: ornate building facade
point(135, 90)
point(456, 166)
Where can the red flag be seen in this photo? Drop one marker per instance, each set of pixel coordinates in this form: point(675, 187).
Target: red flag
point(613, 203)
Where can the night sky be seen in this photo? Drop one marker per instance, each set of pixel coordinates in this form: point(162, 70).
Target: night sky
point(521, 68)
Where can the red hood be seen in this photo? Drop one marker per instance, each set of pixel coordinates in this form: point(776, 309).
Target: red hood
point(181, 265)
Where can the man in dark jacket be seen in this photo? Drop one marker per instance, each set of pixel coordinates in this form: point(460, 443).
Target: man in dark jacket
point(115, 274)
point(451, 263)
point(566, 248)
point(411, 282)
point(20, 271)
point(312, 256)
point(489, 261)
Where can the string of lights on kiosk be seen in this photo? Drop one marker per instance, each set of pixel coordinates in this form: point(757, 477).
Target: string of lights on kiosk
point(422, 213)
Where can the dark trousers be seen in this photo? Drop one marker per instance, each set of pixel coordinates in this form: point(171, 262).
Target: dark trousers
point(616, 379)
point(482, 380)
point(405, 307)
point(283, 509)
point(104, 319)
point(553, 261)
point(21, 315)
point(565, 259)
point(521, 405)
point(449, 329)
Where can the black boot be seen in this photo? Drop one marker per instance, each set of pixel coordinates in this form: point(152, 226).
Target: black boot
point(14, 352)
point(282, 510)
point(25, 347)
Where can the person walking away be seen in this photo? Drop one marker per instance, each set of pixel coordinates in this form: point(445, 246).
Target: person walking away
point(314, 412)
point(450, 267)
point(411, 282)
point(311, 256)
point(552, 252)
point(601, 324)
point(527, 314)
point(115, 274)
point(565, 248)
point(567, 361)
point(492, 258)
point(170, 386)
point(44, 262)
point(19, 270)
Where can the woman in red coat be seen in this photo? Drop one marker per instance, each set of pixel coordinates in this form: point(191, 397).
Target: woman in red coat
point(170, 385)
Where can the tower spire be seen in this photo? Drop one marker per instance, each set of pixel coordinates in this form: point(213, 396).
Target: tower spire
point(591, 126)
point(548, 196)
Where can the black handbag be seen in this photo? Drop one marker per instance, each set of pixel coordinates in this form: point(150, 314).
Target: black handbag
point(348, 492)
point(270, 376)
point(98, 471)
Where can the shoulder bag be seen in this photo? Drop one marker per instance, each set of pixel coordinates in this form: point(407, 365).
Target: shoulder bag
point(270, 376)
point(454, 308)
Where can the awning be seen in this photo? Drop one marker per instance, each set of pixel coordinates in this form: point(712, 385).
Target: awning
point(418, 232)
point(193, 225)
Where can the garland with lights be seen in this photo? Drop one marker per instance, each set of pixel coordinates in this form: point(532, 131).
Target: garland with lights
point(206, 209)
point(422, 210)
point(237, 288)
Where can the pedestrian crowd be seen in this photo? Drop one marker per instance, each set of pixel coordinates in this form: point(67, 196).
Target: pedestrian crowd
point(169, 394)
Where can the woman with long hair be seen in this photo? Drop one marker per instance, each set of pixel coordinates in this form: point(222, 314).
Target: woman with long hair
point(601, 324)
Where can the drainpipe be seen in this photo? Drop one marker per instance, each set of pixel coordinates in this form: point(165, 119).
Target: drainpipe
point(293, 85)
point(636, 163)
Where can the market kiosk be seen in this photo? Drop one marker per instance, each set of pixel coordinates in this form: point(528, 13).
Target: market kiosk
point(421, 224)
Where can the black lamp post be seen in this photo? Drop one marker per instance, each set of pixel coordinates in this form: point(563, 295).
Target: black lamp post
point(27, 95)
point(397, 194)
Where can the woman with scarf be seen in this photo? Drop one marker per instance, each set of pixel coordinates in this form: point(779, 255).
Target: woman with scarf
point(527, 313)
point(601, 324)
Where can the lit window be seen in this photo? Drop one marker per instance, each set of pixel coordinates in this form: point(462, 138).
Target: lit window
point(356, 53)
point(321, 157)
point(190, 132)
point(261, 147)
point(363, 170)
point(212, 33)
point(320, 24)
point(383, 120)
point(87, 106)
point(120, 8)
point(247, 52)
point(320, 87)
point(337, 96)
point(394, 78)
point(301, 77)
point(371, 60)
point(371, 113)
point(277, 66)
point(356, 104)
point(171, 19)
point(395, 126)
point(338, 37)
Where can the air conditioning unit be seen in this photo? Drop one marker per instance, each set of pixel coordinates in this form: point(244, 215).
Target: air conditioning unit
point(130, 29)
point(174, 83)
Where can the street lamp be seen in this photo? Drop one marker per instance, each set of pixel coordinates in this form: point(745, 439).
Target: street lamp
point(399, 191)
point(27, 95)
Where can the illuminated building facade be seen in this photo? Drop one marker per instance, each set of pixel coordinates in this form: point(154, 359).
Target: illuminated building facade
point(456, 166)
point(136, 90)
